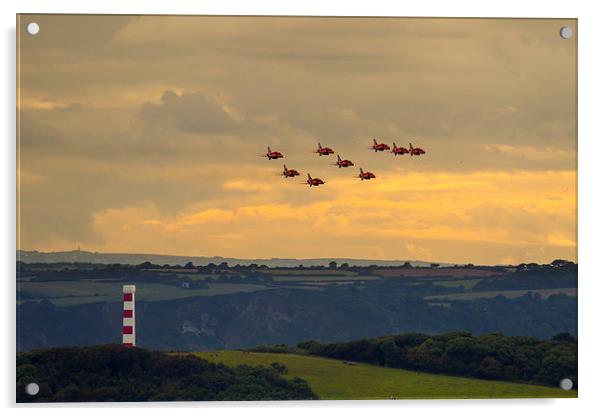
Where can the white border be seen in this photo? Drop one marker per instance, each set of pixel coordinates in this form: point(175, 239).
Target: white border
point(590, 209)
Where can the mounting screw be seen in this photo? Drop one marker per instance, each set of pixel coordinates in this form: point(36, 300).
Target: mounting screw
point(32, 389)
point(566, 32)
point(566, 384)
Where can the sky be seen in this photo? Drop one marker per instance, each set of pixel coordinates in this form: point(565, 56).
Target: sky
point(142, 134)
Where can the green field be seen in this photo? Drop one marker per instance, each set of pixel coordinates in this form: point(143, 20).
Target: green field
point(321, 278)
point(510, 294)
point(468, 283)
point(65, 293)
point(311, 272)
point(194, 277)
point(317, 276)
point(334, 380)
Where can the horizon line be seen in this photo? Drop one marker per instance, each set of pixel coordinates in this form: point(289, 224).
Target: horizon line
point(280, 258)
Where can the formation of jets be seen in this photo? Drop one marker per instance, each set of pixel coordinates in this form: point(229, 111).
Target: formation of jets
point(344, 163)
point(413, 151)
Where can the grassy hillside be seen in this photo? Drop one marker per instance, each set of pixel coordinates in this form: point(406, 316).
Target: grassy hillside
point(458, 272)
point(65, 293)
point(510, 294)
point(332, 379)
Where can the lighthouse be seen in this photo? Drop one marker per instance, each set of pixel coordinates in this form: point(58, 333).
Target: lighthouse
point(129, 316)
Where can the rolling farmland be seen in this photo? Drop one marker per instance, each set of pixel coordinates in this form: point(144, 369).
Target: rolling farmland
point(335, 380)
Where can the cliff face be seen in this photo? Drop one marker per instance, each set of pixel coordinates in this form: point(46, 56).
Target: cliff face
point(286, 316)
point(243, 320)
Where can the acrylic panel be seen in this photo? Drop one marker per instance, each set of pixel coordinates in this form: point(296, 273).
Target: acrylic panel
point(295, 208)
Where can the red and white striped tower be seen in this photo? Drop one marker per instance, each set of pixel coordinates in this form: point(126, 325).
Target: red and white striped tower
point(129, 315)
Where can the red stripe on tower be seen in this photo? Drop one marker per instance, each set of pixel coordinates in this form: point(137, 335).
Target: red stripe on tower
point(129, 316)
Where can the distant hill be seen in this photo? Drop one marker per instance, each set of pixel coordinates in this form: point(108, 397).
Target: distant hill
point(136, 258)
point(287, 315)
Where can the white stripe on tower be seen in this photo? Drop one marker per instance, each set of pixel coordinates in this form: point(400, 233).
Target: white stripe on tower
point(129, 315)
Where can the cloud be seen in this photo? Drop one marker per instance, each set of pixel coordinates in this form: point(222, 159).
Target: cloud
point(149, 139)
point(450, 223)
point(533, 153)
point(247, 186)
point(190, 112)
point(34, 133)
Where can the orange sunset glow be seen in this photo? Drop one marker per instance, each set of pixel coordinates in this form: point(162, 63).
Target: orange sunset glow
point(144, 135)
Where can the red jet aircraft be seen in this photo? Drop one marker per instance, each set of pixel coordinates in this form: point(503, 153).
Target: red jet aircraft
point(324, 151)
point(273, 154)
point(289, 173)
point(343, 163)
point(416, 151)
point(380, 147)
point(314, 181)
point(399, 150)
point(366, 175)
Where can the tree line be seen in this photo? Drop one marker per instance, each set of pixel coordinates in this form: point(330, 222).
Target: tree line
point(491, 356)
point(114, 373)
